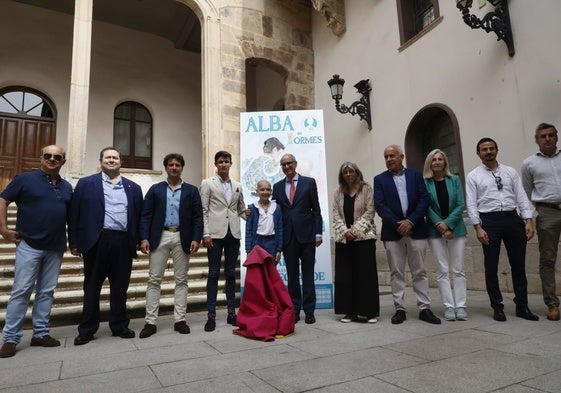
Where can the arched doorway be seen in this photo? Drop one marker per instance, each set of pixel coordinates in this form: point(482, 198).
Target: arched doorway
point(434, 127)
point(265, 85)
point(27, 123)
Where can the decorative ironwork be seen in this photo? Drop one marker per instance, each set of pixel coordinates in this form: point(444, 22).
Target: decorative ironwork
point(361, 107)
point(497, 21)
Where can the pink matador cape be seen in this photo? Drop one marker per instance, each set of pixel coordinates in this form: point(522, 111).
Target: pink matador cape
point(266, 311)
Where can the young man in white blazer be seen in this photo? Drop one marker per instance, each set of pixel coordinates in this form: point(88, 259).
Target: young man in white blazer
point(223, 205)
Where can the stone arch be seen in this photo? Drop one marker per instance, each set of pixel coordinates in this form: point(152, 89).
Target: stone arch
point(434, 126)
point(299, 89)
point(261, 96)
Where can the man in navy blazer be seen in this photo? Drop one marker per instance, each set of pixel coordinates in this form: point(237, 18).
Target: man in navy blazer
point(302, 228)
point(171, 224)
point(104, 230)
point(401, 200)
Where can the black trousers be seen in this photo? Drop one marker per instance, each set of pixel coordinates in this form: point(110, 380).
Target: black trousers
point(302, 255)
point(109, 258)
point(356, 279)
point(509, 228)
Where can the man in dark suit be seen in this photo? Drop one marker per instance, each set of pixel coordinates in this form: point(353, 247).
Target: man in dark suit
point(171, 224)
point(401, 200)
point(104, 229)
point(302, 227)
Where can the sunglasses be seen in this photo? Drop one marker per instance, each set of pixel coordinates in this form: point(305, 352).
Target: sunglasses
point(287, 163)
point(498, 181)
point(56, 157)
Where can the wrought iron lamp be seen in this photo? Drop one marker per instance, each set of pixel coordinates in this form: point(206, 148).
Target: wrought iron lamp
point(361, 107)
point(497, 21)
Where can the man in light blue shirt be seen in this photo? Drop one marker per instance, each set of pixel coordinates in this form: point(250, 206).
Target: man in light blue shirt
point(104, 223)
point(541, 178)
point(171, 224)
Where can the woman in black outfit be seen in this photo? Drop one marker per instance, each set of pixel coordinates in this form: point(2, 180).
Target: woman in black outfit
point(356, 276)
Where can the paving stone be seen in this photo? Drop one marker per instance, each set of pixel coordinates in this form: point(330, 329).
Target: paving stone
point(320, 372)
point(482, 371)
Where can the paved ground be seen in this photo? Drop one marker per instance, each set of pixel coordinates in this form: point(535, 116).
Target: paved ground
point(479, 355)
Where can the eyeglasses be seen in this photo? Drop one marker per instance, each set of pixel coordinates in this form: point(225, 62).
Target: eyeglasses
point(498, 181)
point(48, 156)
point(286, 163)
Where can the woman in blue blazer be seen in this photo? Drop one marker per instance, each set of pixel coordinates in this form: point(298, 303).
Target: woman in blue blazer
point(447, 232)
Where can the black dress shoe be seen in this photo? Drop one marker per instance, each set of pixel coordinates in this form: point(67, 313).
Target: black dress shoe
point(428, 316)
point(182, 327)
point(232, 319)
point(210, 324)
point(524, 312)
point(499, 315)
point(310, 319)
point(125, 333)
point(148, 330)
point(83, 339)
point(399, 317)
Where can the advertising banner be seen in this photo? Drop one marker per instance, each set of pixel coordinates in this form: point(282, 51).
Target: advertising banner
point(265, 137)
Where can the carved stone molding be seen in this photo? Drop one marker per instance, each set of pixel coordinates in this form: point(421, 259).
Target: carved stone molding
point(334, 13)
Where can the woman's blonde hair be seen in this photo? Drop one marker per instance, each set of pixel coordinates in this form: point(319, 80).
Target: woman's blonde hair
point(427, 171)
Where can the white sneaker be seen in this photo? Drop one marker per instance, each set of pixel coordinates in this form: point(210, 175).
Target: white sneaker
point(461, 314)
point(347, 319)
point(372, 320)
point(449, 314)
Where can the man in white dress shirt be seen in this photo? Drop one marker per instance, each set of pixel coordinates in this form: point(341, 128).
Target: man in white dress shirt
point(493, 193)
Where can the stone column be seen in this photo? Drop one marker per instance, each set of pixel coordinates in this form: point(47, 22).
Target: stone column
point(79, 89)
point(211, 93)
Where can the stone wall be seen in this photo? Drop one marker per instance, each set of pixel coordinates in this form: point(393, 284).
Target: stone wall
point(278, 34)
point(475, 271)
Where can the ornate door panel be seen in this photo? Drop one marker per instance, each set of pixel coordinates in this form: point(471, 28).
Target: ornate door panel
point(27, 123)
point(8, 150)
point(20, 144)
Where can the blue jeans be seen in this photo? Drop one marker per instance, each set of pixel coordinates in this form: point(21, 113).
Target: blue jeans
point(33, 268)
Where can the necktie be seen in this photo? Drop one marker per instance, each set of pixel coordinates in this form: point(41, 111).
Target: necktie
point(292, 191)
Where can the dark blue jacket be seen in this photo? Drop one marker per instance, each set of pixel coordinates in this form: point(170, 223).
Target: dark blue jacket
point(87, 213)
point(154, 215)
point(303, 217)
point(388, 205)
point(251, 228)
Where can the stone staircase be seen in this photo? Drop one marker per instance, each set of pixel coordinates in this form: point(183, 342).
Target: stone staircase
point(67, 306)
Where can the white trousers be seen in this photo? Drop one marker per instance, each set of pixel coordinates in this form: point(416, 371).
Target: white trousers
point(170, 244)
point(414, 251)
point(449, 255)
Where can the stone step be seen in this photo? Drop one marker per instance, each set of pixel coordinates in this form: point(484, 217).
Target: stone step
point(67, 306)
point(68, 280)
point(69, 314)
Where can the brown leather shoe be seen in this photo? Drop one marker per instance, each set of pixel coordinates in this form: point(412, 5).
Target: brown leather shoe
point(45, 341)
point(148, 330)
point(553, 312)
point(8, 350)
point(181, 327)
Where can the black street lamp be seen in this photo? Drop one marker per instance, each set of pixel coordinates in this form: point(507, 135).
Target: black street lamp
point(361, 107)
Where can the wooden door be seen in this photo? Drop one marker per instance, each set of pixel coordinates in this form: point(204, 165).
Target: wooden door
point(20, 143)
